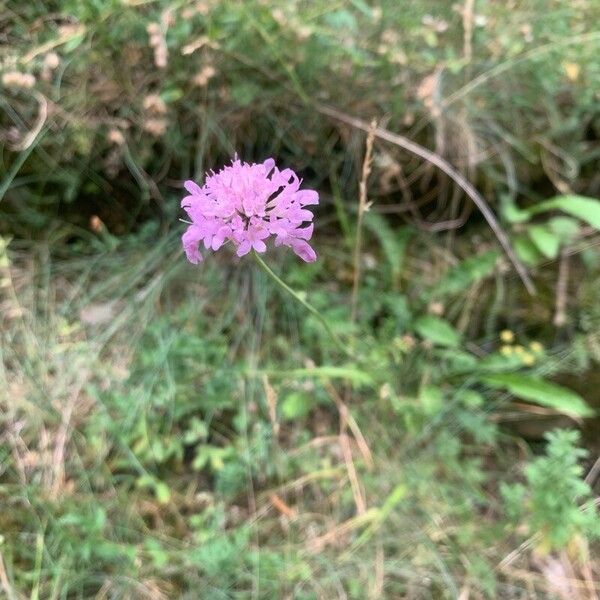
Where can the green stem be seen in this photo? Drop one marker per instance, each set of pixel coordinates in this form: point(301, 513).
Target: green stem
point(309, 307)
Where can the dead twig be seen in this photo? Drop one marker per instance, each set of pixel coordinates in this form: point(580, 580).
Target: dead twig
point(590, 478)
point(281, 506)
point(271, 396)
point(62, 438)
point(357, 492)
point(376, 590)
point(40, 121)
point(363, 207)
point(352, 424)
point(10, 594)
point(449, 170)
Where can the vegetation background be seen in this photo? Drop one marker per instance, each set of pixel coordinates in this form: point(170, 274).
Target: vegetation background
point(170, 431)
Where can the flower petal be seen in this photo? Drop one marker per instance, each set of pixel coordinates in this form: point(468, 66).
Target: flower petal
point(244, 248)
point(304, 251)
point(190, 240)
point(307, 197)
point(192, 187)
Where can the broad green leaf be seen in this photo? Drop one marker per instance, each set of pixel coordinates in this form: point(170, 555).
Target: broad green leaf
point(527, 251)
point(467, 272)
point(546, 241)
point(565, 228)
point(511, 212)
point(541, 392)
point(438, 331)
point(586, 209)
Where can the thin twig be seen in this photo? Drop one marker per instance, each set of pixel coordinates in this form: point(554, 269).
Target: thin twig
point(590, 478)
point(4, 581)
point(62, 437)
point(30, 137)
point(376, 591)
point(363, 206)
point(447, 168)
point(352, 424)
point(357, 493)
point(281, 506)
point(467, 18)
point(271, 396)
point(69, 35)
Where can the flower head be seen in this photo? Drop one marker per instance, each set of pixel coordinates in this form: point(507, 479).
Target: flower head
point(246, 204)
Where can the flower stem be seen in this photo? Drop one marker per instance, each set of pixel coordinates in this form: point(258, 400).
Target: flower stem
point(309, 307)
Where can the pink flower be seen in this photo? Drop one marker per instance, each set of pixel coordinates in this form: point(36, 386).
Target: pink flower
point(245, 204)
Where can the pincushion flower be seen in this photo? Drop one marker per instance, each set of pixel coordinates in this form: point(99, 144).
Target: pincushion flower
point(246, 204)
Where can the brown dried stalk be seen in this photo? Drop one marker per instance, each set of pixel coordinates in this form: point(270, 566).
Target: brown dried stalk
point(363, 206)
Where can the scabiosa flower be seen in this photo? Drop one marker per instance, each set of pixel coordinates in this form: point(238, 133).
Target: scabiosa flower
point(246, 204)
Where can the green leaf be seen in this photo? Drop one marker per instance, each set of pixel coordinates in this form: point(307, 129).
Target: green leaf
point(458, 360)
point(467, 272)
point(197, 430)
point(393, 241)
point(586, 209)
point(74, 42)
point(527, 251)
point(546, 241)
point(172, 95)
point(295, 406)
point(511, 212)
point(431, 398)
point(541, 392)
point(364, 8)
point(162, 491)
point(564, 227)
point(469, 398)
point(438, 331)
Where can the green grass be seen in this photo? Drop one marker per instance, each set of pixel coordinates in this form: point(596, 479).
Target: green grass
point(141, 457)
point(170, 431)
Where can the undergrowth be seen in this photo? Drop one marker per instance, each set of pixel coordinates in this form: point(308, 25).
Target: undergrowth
point(171, 431)
point(177, 432)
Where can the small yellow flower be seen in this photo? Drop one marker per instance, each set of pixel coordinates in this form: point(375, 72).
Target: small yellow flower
point(536, 347)
point(572, 70)
point(528, 359)
point(507, 336)
point(506, 350)
point(519, 350)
